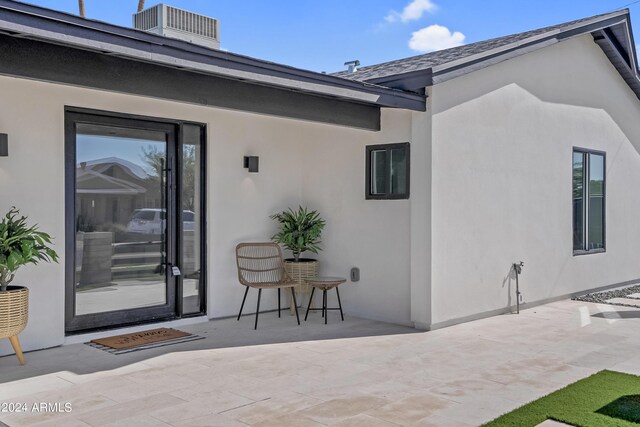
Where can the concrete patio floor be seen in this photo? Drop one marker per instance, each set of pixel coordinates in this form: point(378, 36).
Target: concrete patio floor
point(356, 373)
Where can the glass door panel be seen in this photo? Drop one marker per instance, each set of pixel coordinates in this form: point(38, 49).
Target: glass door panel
point(121, 229)
point(121, 232)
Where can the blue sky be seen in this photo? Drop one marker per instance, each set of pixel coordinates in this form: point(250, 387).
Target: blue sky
point(322, 35)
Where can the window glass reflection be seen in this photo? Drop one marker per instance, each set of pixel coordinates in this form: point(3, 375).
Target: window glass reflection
point(398, 171)
point(596, 202)
point(191, 219)
point(378, 170)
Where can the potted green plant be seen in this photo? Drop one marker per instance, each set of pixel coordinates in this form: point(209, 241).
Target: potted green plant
point(300, 232)
point(20, 244)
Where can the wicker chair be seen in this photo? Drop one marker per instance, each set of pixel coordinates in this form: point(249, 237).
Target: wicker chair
point(260, 266)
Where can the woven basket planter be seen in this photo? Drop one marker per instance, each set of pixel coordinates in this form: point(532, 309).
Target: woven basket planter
point(14, 311)
point(301, 271)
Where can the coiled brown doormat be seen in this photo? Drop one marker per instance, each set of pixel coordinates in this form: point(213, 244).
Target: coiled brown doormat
point(143, 340)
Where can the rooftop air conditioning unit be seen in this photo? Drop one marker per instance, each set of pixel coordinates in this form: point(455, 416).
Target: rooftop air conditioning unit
point(180, 24)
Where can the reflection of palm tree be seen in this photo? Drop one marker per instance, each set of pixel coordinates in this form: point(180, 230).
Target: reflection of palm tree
point(155, 160)
point(189, 177)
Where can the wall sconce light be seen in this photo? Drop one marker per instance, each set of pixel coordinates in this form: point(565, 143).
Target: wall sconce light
point(4, 145)
point(251, 163)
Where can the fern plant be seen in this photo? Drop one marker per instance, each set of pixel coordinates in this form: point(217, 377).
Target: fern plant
point(20, 245)
point(299, 231)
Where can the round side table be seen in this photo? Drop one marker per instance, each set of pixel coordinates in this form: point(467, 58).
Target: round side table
point(325, 284)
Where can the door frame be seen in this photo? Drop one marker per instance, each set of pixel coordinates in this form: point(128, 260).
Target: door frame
point(173, 307)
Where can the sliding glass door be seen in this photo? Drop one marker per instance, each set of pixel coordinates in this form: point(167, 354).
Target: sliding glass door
point(134, 220)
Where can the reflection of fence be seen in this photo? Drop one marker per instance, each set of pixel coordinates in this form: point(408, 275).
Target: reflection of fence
point(100, 260)
point(95, 258)
point(136, 260)
point(104, 261)
point(189, 253)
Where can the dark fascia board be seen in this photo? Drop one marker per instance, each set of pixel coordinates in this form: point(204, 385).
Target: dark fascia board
point(438, 74)
point(24, 20)
point(625, 65)
point(632, 43)
point(36, 60)
point(611, 38)
point(411, 81)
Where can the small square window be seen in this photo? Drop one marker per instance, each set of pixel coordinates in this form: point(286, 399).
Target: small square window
point(387, 171)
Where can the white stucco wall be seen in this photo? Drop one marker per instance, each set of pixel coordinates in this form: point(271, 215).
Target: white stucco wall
point(300, 163)
point(373, 235)
point(502, 153)
point(490, 185)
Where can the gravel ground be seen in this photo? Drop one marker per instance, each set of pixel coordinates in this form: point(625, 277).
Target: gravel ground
point(602, 297)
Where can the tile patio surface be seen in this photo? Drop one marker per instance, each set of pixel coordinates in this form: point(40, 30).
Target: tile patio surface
point(356, 373)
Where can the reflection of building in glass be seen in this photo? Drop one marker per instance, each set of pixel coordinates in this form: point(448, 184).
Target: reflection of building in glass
point(110, 189)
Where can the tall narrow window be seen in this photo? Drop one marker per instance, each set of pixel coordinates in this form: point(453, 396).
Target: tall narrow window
point(387, 171)
point(192, 219)
point(588, 201)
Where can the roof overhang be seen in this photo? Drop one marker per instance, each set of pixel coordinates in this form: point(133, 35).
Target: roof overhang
point(38, 24)
point(613, 34)
point(618, 45)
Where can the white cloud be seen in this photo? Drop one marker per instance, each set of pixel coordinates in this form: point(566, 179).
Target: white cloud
point(411, 12)
point(435, 37)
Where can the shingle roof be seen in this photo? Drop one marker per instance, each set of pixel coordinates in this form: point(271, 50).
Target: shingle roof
point(433, 59)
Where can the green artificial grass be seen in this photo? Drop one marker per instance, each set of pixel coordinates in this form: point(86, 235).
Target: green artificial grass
point(601, 400)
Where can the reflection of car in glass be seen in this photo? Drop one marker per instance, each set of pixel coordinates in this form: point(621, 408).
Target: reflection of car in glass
point(152, 221)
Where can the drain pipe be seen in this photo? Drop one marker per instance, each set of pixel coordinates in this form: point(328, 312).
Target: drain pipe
point(517, 267)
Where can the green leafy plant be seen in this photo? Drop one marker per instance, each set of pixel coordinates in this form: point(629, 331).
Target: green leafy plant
point(20, 245)
point(299, 231)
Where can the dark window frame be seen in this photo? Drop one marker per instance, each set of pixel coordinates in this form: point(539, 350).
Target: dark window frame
point(585, 226)
point(368, 184)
